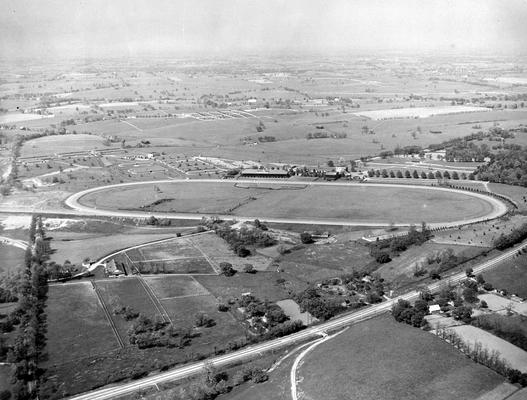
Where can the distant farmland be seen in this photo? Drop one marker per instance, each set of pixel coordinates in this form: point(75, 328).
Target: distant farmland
point(418, 112)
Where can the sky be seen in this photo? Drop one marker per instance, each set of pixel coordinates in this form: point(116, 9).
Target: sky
point(97, 28)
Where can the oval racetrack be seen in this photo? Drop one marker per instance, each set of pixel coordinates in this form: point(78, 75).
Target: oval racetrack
point(339, 203)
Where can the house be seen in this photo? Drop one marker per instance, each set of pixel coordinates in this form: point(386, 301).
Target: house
point(111, 268)
point(435, 155)
point(434, 308)
point(331, 175)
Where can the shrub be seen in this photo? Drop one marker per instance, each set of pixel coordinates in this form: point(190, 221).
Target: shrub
point(306, 238)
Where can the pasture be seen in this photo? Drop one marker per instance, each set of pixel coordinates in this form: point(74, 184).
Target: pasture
point(76, 323)
point(353, 202)
point(387, 360)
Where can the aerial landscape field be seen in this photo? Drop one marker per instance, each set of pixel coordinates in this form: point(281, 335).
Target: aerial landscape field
point(300, 200)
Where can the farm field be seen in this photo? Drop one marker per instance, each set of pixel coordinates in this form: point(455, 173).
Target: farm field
point(49, 145)
point(167, 287)
point(126, 292)
point(510, 275)
point(412, 364)
point(196, 254)
point(516, 357)
point(77, 326)
point(413, 205)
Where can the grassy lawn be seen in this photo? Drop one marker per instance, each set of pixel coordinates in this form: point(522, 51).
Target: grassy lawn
point(382, 359)
point(77, 326)
point(510, 275)
point(358, 203)
point(175, 286)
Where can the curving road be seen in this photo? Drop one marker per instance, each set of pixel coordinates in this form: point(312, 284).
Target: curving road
point(114, 391)
point(498, 207)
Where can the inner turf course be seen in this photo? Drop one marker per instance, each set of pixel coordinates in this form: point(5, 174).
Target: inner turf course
point(332, 203)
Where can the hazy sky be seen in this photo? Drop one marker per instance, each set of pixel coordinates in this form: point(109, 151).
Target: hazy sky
point(140, 27)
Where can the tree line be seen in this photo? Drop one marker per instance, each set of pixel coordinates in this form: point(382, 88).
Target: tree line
point(27, 350)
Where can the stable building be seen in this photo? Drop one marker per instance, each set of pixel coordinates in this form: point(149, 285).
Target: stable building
point(261, 173)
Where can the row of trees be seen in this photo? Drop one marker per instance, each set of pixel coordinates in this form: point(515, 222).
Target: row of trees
point(505, 241)
point(416, 175)
point(28, 347)
point(482, 355)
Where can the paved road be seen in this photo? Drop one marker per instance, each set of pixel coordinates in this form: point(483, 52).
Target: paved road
point(498, 207)
point(256, 350)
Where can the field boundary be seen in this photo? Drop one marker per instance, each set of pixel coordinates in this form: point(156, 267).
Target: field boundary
point(108, 315)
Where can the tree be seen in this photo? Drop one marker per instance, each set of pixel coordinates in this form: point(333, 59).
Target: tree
point(227, 269)
point(399, 174)
point(407, 174)
point(469, 272)
point(462, 313)
point(306, 237)
point(415, 174)
point(203, 320)
point(331, 164)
